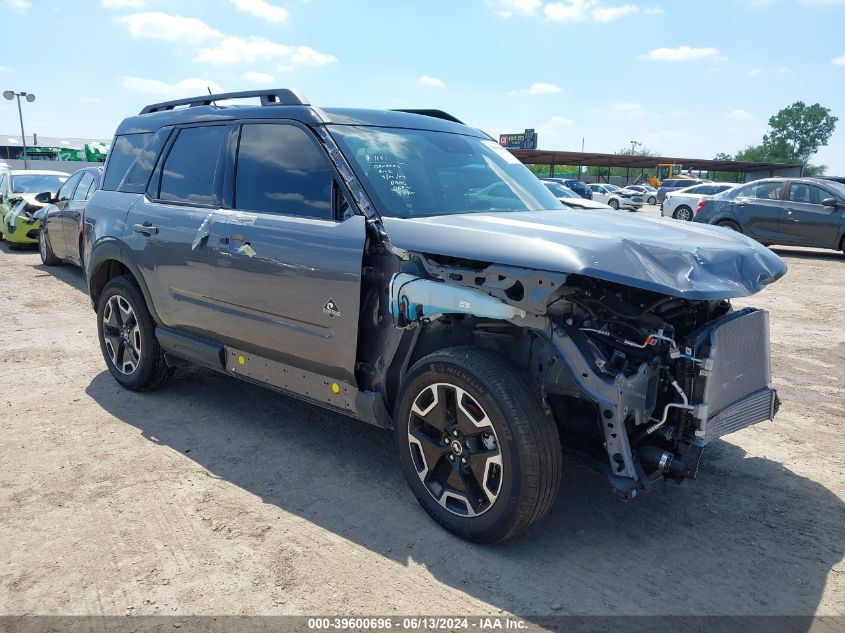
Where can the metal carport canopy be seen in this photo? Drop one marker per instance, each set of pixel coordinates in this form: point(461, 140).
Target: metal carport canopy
point(589, 159)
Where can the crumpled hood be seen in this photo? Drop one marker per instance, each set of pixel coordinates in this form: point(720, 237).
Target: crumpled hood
point(681, 259)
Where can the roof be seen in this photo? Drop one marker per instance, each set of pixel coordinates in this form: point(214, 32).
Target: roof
point(590, 159)
point(308, 115)
point(38, 172)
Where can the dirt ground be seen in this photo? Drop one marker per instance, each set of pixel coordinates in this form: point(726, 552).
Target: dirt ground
point(215, 497)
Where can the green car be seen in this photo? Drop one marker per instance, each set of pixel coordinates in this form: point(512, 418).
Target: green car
point(19, 191)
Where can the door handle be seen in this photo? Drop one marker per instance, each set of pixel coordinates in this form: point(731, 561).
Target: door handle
point(234, 237)
point(145, 229)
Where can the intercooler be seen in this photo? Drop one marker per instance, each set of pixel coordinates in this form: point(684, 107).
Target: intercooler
point(732, 389)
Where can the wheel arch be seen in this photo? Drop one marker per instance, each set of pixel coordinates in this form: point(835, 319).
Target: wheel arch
point(108, 261)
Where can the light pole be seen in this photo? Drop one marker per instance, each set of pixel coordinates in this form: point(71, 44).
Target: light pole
point(9, 95)
point(633, 146)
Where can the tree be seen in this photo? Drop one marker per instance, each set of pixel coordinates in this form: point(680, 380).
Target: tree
point(799, 131)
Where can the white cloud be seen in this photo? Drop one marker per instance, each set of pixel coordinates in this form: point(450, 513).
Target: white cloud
point(553, 133)
point(838, 61)
point(680, 113)
point(184, 88)
point(171, 28)
point(18, 6)
point(634, 109)
point(237, 50)
point(739, 115)
point(755, 72)
point(608, 14)
point(257, 77)
point(508, 8)
point(262, 9)
point(569, 10)
point(537, 89)
point(4, 69)
point(680, 54)
point(431, 82)
point(123, 4)
point(783, 70)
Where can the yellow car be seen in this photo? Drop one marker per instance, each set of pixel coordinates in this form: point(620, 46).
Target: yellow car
point(20, 199)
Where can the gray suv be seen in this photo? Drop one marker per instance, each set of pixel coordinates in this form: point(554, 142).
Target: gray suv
point(404, 269)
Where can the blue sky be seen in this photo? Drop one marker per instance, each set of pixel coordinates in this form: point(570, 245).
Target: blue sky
point(686, 78)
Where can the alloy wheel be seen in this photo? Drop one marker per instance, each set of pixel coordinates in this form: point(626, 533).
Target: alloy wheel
point(455, 449)
point(42, 245)
point(122, 335)
point(684, 214)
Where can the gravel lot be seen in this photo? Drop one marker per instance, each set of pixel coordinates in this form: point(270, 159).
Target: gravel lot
point(215, 497)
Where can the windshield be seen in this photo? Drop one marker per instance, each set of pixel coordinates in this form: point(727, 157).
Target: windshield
point(37, 183)
point(612, 188)
point(560, 191)
point(414, 173)
point(836, 187)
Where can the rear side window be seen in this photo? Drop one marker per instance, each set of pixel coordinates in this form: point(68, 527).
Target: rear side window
point(282, 169)
point(191, 171)
point(667, 183)
point(123, 153)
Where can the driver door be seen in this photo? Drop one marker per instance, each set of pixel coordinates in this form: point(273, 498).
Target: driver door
point(54, 218)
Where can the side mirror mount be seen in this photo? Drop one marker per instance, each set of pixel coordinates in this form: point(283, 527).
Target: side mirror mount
point(830, 202)
point(44, 198)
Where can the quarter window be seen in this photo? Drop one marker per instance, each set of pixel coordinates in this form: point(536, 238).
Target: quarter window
point(282, 169)
point(190, 173)
point(122, 154)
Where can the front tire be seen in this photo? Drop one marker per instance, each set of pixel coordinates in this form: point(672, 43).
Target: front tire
point(477, 450)
point(652, 200)
point(728, 224)
point(48, 258)
point(127, 337)
point(614, 204)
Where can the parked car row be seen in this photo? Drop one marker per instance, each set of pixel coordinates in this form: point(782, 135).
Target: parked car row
point(47, 208)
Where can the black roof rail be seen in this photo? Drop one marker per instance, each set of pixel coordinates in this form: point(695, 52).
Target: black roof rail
point(437, 114)
point(275, 96)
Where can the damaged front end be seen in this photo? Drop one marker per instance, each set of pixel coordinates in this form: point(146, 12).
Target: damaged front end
point(639, 382)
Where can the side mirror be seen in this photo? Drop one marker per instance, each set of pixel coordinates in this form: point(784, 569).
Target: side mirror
point(44, 198)
point(830, 202)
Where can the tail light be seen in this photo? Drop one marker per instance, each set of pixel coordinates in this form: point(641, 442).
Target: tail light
point(700, 206)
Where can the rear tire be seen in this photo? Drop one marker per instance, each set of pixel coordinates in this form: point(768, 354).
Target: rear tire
point(683, 213)
point(48, 258)
point(127, 337)
point(477, 450)
point(652, 200)
point(729, 224)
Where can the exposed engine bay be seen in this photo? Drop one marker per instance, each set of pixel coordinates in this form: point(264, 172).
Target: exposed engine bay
point(638, 382)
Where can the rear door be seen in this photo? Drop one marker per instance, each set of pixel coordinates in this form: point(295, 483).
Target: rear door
point(758, 208)
point(55, 215)
point(285, 263)
point(164, 226)
point(72, 214)
point(806, 222)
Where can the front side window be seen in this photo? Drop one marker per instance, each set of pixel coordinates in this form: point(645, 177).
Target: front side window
point(190, 172)
point(67, 189)
point(282, 169)
point(85, 183)
point(413, 173)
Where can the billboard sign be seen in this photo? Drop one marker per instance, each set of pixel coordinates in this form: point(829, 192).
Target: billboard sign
point(525, 140)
